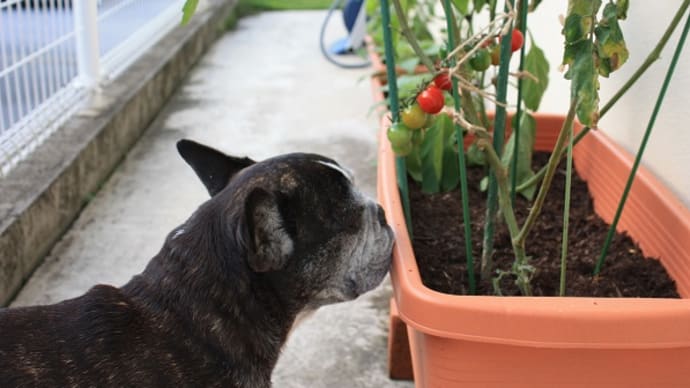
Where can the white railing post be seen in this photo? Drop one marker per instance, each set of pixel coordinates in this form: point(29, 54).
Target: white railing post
point(86, 35)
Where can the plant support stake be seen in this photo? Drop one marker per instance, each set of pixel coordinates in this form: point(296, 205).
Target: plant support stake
point(516, 144)
point(400, 167)
point(499, 135)
point(461, 158)
point(566, 211)
point(643, 145)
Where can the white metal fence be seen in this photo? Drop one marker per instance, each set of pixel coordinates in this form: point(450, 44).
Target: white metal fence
point(53, 52)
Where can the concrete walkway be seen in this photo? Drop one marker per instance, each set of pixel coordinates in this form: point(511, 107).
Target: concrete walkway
point(263, 89)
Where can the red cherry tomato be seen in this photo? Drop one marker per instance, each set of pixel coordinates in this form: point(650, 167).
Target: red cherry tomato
point(516, 40)
point(431, 100)
point(443, 82)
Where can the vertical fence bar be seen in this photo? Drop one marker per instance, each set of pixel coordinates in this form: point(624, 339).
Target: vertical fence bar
point(35, 66)
point(64, 55)
point(15, 101)
point(86, 35)
point(5, 121)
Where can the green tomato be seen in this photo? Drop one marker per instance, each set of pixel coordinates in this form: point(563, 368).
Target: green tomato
point(403, 150)
point(400, 137)
point(481, 60)
point(413, 117)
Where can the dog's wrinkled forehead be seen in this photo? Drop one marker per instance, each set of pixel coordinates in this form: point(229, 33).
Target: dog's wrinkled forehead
point(300, 171)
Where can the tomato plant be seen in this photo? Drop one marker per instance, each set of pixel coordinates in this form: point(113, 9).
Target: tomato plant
point(431, 100)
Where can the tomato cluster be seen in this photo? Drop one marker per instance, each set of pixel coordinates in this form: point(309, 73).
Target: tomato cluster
point(419, 114)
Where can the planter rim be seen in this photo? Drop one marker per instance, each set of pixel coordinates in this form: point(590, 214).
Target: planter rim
point(589, 322)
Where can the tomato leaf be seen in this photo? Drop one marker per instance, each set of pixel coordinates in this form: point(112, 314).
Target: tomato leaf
point(409, 65)
point(610, 44)
point(432, 153)
point(528, 127)
point(537, 65)
point(478, 4)
point(188, 10)
point(451, 170)
point(475, 157)
point(413, 162)
point(622, 9)
point(584, 85)
point(581, 57)
point(463, 6)
point(533, 5)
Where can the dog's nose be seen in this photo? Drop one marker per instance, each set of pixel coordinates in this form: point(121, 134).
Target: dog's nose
point(381, 215)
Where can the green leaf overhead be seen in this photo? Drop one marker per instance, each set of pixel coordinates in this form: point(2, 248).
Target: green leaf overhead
point(579, 54)
point(611, 47)
point(578, 22)
point(622, 8)
point(584, 87)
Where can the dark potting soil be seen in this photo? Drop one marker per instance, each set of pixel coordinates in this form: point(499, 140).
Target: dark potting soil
point(438, 241)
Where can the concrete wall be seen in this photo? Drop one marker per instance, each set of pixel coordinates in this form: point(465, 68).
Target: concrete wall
point(668, 151)
point(40, 198)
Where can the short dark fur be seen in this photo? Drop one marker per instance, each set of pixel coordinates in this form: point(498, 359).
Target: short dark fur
point(215, 305)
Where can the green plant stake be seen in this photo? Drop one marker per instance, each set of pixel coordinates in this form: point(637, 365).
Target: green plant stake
point(566, 211)
point(461, 159)
point(401, 169)
point(499, 135)
point(643, 145)
point(514, 171)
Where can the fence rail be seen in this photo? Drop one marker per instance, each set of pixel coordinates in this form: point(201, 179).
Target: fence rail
point(53, 53)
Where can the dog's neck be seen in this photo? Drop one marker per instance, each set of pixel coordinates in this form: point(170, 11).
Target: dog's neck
point(210, 293)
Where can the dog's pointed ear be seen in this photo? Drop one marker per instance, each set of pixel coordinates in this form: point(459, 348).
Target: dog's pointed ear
point(213, 167)
point(270, 243)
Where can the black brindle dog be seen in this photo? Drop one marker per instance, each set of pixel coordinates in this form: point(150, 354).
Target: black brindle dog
point(278, 238)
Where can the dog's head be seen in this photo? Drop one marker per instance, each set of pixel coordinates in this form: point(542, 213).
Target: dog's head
point(299, 221)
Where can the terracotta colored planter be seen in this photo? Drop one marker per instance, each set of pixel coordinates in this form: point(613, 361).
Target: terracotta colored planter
point(486, 341)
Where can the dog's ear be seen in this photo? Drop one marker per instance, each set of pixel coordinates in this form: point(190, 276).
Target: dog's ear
point(213, 167)
point(270, 244)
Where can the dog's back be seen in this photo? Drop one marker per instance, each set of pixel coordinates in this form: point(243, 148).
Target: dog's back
point(98, 337)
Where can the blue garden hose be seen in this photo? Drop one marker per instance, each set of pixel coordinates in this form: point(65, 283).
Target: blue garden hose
point(350, 12)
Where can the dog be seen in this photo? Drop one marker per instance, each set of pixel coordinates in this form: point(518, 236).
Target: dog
point(277, 239)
